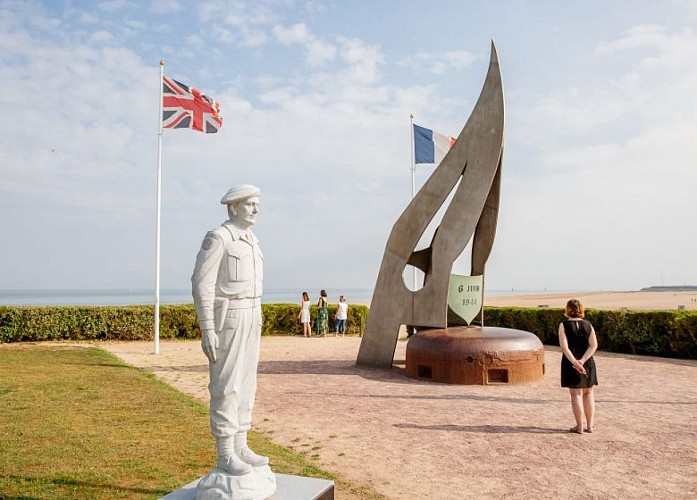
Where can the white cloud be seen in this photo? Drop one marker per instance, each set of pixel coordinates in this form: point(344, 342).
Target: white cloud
point(565, 115)
point(166, 6)
point(438, 63)
point(224, 35)
point(237, 23)
point(115, 5)
point(135, 24)
point(237, 14)
point(665, 50)
point(317, 51)
point(363, 59)
point(101, 36)
point(241, 36)
point(315, 7)
point(195, 41)
point(45, 24)
point(88, 18)
point(253, 38)
point(236, 20)
point(644, 36)
point(298, 33)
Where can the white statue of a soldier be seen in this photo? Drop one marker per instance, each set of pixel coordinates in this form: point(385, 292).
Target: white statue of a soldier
point(227, 285)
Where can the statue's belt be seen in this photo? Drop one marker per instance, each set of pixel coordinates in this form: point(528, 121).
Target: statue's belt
point(223, 305)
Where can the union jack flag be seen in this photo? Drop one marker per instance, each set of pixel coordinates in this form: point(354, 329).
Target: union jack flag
point(186, 107)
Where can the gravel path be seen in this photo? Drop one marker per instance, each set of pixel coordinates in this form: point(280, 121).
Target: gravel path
point(417, 440)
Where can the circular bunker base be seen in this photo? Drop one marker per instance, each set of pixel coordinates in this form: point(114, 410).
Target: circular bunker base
point(475, 355)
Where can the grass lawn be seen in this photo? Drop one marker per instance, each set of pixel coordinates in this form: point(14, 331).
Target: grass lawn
point(75, 422)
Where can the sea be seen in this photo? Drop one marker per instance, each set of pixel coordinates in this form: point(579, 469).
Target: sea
point(122, 297)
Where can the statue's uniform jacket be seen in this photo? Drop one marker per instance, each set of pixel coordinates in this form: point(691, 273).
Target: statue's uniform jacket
point(227, 287)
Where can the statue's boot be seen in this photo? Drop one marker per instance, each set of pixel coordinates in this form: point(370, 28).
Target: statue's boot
point(247, 455)
point(228, 460)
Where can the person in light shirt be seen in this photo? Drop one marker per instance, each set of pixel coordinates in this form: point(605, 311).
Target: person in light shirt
point(304, 315)
point(341, 317)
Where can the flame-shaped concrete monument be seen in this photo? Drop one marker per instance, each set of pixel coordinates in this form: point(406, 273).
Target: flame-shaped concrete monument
point(472, 168)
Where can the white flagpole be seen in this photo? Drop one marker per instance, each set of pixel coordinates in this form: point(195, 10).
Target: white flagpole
point(413, 174)
point(413, 165)
point(157, 218)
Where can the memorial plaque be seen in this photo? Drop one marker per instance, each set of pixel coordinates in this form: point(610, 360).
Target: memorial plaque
point(465, 296)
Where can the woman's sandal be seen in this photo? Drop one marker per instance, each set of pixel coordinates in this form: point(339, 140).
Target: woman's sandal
point(576, 430)
point(589, 430)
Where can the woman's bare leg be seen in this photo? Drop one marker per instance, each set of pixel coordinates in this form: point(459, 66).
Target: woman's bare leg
point(577, 406)
point(589, 408)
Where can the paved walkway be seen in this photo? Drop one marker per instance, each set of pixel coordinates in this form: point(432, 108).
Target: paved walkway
point(417, 440)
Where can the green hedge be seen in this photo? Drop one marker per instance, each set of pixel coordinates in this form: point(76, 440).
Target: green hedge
point(34, 323)
point(671, 334)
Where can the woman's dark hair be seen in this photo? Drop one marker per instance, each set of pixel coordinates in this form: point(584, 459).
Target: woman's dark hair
point(323, 293)
point(306, 296)
point(574, 309)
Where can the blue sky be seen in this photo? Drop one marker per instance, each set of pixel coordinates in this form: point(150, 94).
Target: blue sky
point(599, 175)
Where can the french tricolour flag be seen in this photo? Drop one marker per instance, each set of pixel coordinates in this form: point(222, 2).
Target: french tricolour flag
point(430, 146)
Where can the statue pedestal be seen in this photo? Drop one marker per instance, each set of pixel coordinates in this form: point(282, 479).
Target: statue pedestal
point(287, 488)
point(475, 355)
point(219, 484)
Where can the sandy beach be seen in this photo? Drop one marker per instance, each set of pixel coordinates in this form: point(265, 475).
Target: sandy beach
point(634, 300)
point(410, 439)
point(602, 300)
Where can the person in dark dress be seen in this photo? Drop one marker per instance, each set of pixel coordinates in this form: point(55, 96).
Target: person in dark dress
point(322, 314)
point(578, 344)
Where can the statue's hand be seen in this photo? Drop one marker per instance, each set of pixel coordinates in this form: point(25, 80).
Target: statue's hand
point(209, 343)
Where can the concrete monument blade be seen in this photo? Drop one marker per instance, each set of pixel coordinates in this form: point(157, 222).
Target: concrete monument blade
point(473, 164)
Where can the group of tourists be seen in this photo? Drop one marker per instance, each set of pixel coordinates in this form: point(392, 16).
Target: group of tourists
point(322, 320)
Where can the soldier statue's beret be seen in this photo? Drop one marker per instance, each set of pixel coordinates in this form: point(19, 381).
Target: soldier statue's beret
point(239, 193)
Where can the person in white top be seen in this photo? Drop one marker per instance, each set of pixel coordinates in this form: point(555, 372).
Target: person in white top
point(304, 315)
point(341, 316)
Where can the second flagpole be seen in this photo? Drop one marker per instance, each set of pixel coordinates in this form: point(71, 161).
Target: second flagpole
point(413, 173)
point(157, 219)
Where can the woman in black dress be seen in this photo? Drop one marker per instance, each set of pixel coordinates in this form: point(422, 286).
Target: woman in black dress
point(578, 343)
